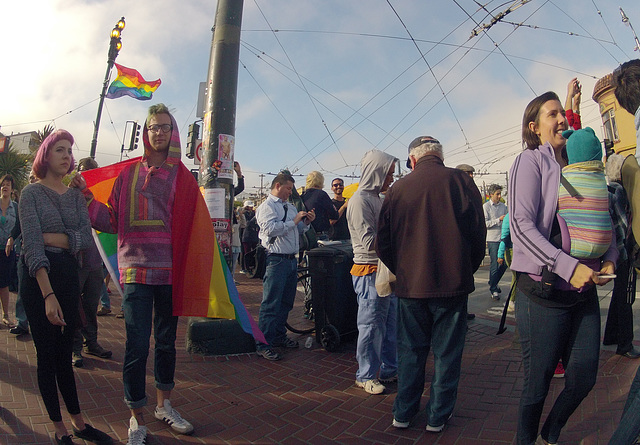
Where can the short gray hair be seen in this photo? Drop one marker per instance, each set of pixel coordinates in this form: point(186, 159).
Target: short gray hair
point(428, 148)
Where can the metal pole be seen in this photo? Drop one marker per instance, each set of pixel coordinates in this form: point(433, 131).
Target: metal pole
point(114, 48)
point(220, 119)
point(96, 126)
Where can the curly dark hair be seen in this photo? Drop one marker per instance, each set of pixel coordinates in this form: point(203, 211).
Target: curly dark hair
point(626, 84)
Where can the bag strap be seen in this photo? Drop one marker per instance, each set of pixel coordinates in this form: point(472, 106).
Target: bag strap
point(503, 320)
point(570, 188)
point(273, 238)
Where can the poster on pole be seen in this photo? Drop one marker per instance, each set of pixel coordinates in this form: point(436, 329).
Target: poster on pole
point(214, 198)
point(226, 146)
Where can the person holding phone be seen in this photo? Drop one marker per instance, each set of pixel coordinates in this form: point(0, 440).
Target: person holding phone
point(280, 228)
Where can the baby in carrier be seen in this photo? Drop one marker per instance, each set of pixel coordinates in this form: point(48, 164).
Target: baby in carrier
point(583, 215)
point(583, 198)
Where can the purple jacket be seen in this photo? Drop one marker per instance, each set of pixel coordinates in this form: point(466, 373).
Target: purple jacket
point(534, 179)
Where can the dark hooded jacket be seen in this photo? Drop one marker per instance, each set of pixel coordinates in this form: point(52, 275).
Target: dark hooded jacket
point(431, 231)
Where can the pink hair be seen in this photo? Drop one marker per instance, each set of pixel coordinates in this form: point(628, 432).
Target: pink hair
point(40, 164)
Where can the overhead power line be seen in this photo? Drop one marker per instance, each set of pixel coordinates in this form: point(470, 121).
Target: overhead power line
point(431, 71)
point(495, 19)
point(324, 123)
point(484, 29)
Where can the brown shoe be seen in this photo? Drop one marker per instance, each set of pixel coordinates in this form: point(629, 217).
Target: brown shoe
point(98, 351)
point(103, 311)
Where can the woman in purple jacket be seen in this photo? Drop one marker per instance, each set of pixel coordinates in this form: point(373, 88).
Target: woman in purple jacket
point(558, 315)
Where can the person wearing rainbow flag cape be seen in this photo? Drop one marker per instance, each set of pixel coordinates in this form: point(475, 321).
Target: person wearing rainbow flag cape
point(142, 210)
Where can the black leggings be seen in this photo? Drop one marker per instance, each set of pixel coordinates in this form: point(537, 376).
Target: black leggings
point(54, 343)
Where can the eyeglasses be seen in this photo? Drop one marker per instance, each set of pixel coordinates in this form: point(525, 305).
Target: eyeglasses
point(166, 128)
point(337, 185)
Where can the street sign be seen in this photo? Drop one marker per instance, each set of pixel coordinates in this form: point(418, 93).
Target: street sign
point(197, 159)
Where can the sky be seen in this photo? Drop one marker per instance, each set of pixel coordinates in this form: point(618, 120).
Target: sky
point(320, 83)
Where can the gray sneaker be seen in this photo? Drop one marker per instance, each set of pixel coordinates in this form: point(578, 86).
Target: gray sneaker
point(137, 433)
point(171, 417)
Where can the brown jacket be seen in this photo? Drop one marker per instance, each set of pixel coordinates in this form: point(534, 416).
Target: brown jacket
point(431, 231)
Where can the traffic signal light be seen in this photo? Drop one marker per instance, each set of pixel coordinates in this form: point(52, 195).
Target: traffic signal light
point(135, 135)
point(192, 140)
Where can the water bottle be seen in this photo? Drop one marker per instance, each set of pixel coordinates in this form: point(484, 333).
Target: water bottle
point(308, 343)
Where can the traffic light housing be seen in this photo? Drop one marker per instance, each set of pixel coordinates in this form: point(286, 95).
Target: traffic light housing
point(135, 136)
point(192, 140)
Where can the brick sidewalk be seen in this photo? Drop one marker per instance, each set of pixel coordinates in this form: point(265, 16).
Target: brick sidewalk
point(309, 397)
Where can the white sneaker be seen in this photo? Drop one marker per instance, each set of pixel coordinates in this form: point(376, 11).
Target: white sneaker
point(372, 386)
point(171, 417)
point(398, 424)
point(137, 433)
point(439, 428)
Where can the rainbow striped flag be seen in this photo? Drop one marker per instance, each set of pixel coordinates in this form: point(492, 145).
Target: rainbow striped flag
point(131, 83)
point(202, 282)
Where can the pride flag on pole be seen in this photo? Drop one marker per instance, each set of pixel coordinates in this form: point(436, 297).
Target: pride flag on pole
point(202, 282)
point(131, 83)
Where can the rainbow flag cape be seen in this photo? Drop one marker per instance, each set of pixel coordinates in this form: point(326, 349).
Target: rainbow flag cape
point(131, 83)
point(202, 282)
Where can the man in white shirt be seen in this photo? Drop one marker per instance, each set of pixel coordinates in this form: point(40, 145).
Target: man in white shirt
point(280, 228)
point(494, 211)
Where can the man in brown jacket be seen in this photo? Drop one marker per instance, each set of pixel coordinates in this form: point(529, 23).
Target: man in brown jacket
point(431, 235)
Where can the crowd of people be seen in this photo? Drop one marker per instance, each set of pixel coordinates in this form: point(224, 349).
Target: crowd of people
point(562, 232)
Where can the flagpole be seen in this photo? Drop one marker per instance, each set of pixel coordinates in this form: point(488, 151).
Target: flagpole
point(114, 48)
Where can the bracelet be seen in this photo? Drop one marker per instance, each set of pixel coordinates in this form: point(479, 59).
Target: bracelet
point(48, 295)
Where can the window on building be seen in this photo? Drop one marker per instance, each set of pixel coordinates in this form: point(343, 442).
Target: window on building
point(610, 126)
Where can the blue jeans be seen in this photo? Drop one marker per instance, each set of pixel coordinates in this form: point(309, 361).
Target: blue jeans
point(495, 270)
point(629, 428)
point(278, 294)
point(141, 302)
point(377, 320)
point(440, 323)
point(546, 335)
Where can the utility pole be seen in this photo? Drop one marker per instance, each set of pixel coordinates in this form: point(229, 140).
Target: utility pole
point(626, 21)
point(219, 122)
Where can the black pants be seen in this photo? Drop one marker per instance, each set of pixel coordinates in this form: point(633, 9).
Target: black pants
point(619, 326)
point(54, 343)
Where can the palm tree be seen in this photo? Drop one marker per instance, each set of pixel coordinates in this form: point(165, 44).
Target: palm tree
point(17, 165)
point(41, 136)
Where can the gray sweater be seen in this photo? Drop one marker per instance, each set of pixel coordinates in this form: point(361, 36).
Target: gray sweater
point(365, 204)
point(43, 210)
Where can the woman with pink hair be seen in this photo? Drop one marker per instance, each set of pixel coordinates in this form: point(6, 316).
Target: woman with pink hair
point(55, 229)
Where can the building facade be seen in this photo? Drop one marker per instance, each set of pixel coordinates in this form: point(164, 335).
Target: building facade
point(618, 123)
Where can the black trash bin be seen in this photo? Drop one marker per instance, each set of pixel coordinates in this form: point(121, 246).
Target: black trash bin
point(334, 301)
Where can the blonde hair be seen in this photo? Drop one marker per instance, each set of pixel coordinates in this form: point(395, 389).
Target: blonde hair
point(315, 180)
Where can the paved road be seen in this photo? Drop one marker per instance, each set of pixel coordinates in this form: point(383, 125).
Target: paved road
point(309, 397)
